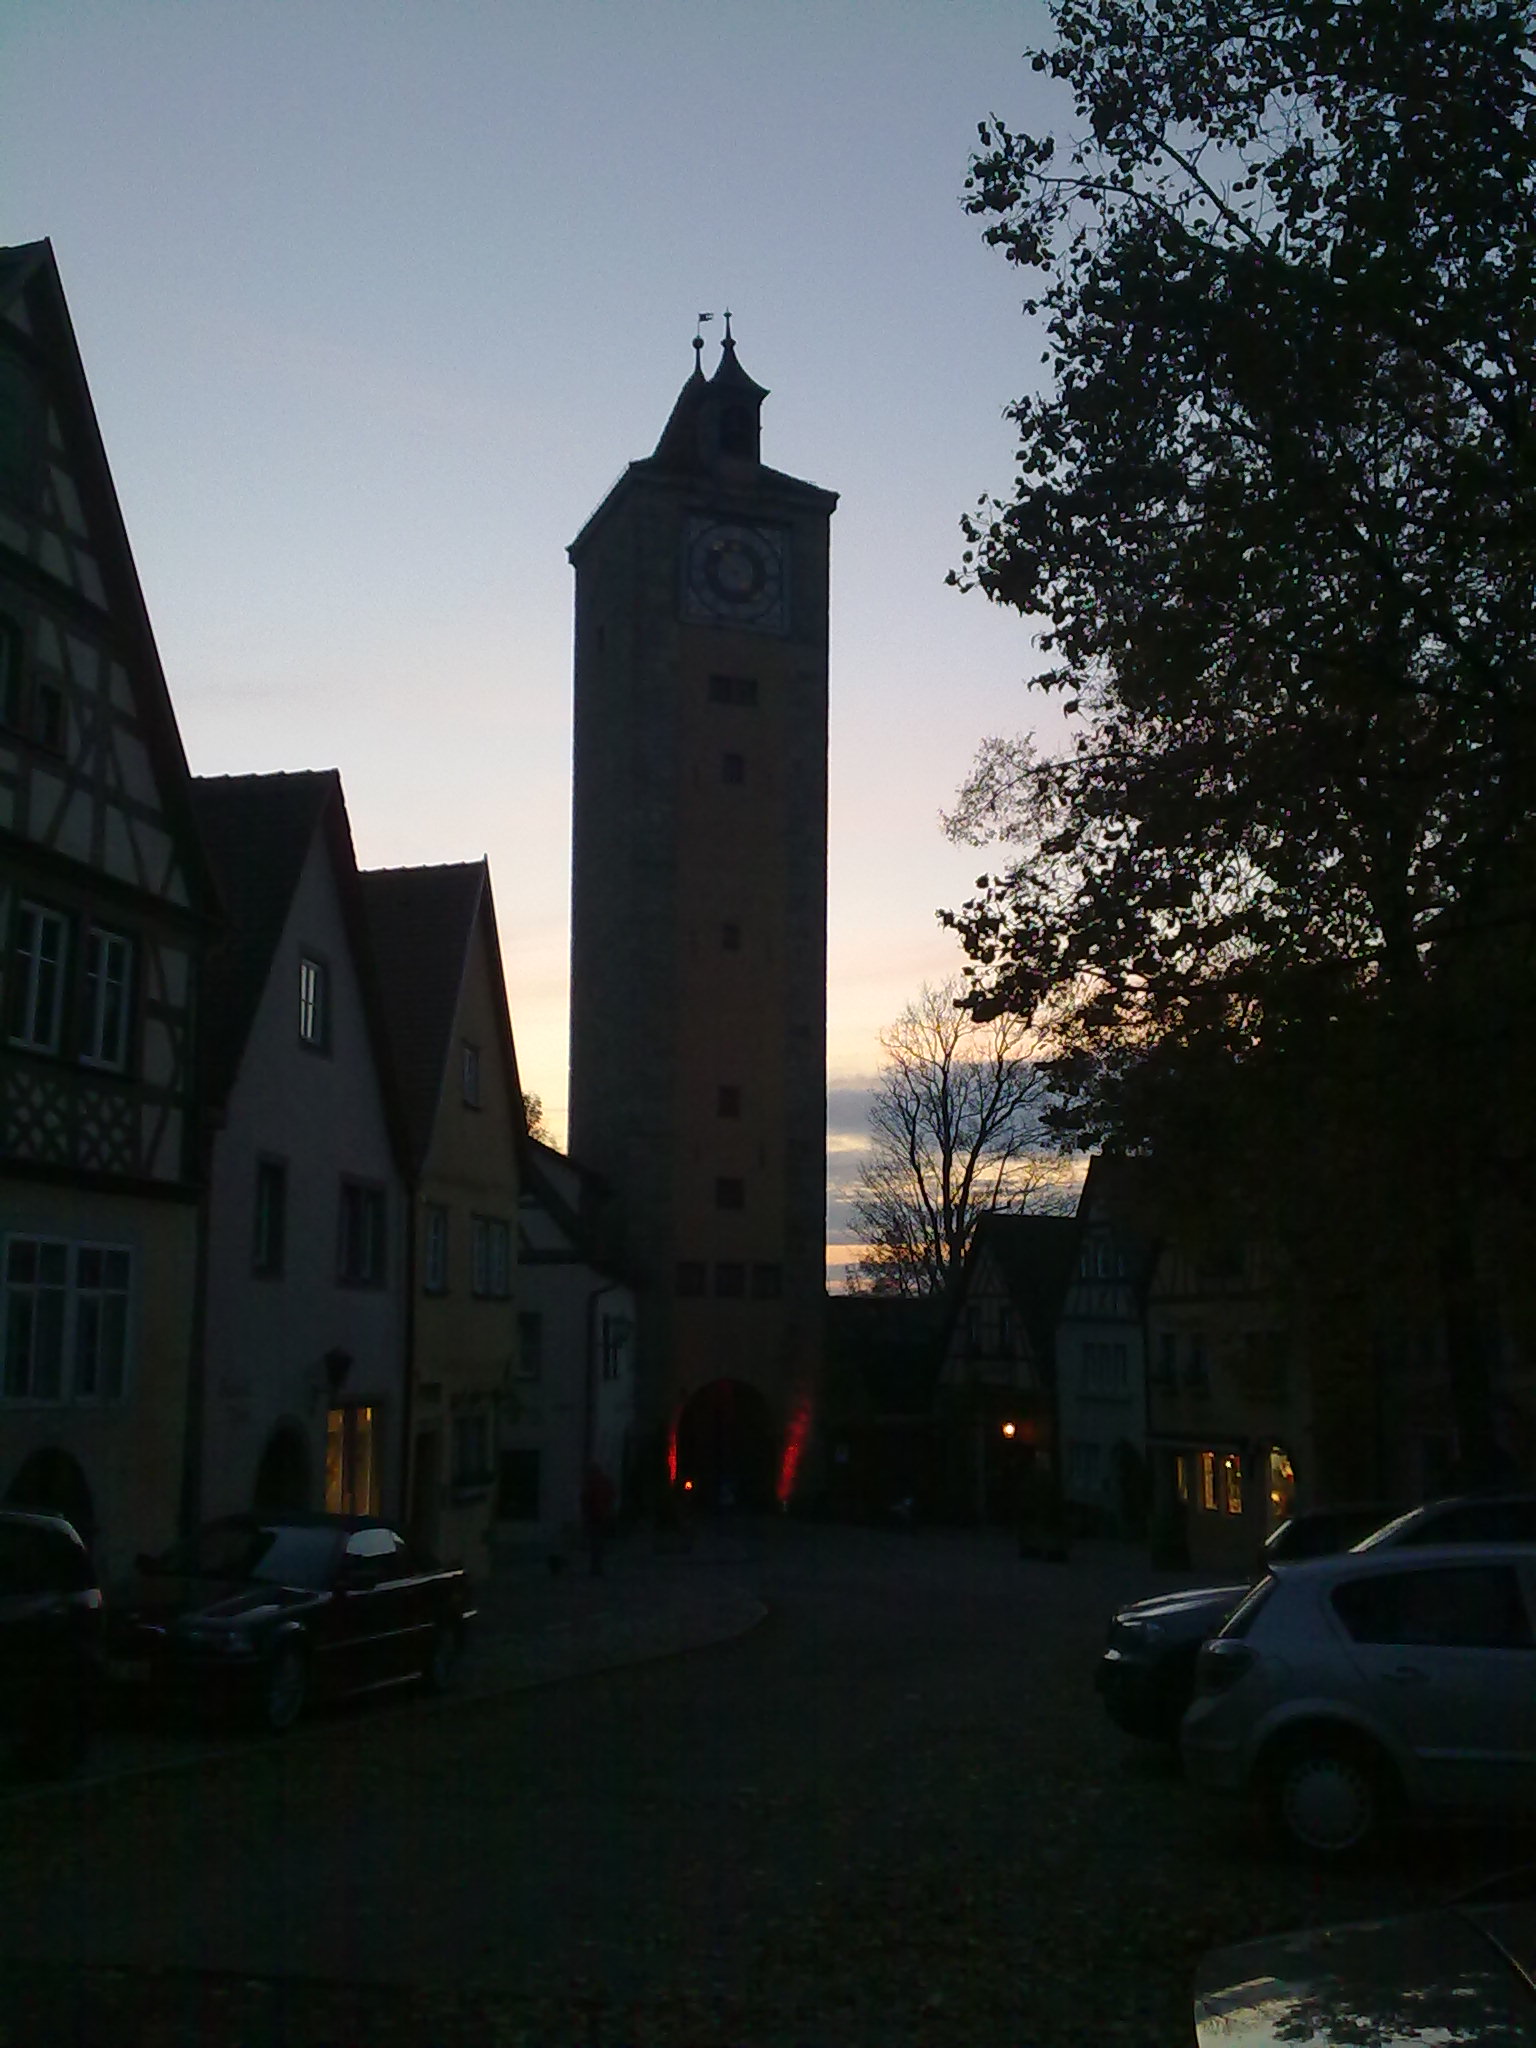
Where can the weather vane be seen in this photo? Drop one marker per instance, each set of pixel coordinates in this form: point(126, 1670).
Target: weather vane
point(703, 319)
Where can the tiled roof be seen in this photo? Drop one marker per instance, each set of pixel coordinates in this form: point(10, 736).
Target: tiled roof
point(258, 830)
point(1035, 1255)
point(420, 925)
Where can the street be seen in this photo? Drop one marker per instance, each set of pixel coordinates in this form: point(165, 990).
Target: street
point(892, 1812)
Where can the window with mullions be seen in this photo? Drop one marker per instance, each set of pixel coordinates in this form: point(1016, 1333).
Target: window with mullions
point(41, 946)
point(108, 964)
point(733, 690)
point(360, 1236)
point(269, 1218)
point(314, 1005)
point(64, 1325)
point(490, 1256)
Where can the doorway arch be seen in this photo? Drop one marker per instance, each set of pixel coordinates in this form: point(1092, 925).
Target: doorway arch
point(51, 1482)
point(726, 1446)
point(282, 1477)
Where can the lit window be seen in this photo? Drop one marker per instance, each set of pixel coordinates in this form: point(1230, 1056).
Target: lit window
point(314, 1005)
point(1181, 1478)
point(1232, 1483)
point(350, 1483)
point(107, 959)
point(1208, 1481)
point(40, 943)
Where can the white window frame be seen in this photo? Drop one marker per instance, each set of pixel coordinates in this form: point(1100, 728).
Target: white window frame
point(32, 968)
point(103, 948)
point(84, 1309)
point(314, 1003)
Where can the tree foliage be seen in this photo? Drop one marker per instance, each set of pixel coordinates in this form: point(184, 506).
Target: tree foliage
point(956, 1133)
point(1276, 513)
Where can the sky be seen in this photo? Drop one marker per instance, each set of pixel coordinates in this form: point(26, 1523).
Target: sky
point(376, 299)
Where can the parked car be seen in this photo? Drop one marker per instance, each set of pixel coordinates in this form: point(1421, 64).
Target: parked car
point(1460, 1973)
point(50, 1640)
point(267, 1612)
point(1353, 1690)
point(1146, 1676)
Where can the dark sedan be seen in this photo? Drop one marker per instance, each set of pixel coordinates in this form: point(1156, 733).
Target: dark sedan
point(1146, 1677)
point(50, 1640)
point(268, 1612)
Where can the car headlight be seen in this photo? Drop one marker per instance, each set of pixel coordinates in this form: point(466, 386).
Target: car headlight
point(1133, 1630)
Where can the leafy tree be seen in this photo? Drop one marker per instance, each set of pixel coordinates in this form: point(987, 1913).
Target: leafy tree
point(1276, 511)
point(533, 1116)
point(956, 1132)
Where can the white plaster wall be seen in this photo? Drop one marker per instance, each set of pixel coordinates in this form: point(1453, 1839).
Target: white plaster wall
point(323, 1115)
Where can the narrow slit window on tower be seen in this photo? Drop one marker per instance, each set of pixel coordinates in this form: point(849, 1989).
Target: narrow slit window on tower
point(733, 690)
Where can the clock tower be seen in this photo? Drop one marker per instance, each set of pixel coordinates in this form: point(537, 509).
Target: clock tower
point(698, 928)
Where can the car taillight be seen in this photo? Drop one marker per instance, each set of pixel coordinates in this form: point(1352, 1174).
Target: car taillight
point(1222, 1663)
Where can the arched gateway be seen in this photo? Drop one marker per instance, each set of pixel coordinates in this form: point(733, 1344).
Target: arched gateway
point(726, 1445)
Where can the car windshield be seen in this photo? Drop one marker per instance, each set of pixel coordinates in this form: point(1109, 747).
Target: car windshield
point(1244, 1614)
point(1388, 1532)
point(270, 1553)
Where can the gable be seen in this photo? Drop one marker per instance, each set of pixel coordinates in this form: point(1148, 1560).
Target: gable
point(91, 764)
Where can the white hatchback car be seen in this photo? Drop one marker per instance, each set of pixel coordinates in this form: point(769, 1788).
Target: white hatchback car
point(1351, 1689)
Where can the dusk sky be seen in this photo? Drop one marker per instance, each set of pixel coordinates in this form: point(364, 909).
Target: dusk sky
point(376, 299)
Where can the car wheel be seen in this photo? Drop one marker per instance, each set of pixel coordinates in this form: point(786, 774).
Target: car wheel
point(1327, 1796)
point(443, 1661)
point(284, 1688)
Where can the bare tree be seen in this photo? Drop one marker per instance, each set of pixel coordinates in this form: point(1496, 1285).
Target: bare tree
point(956, 1132)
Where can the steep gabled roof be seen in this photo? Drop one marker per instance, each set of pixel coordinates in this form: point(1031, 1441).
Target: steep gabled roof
point(1035, 1255)
point(259, 830)
point(422, 924)
point(35, 316)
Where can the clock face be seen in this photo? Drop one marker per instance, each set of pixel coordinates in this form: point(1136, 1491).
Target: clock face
point(735, 573)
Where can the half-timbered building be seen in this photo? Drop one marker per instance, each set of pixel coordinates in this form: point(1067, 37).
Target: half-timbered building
point(105, 902)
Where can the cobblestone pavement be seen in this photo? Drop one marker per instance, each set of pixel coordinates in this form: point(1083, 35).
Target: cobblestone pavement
point(892, 1814)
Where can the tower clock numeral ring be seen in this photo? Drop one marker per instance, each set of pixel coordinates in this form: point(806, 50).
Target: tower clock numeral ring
point(735, 570)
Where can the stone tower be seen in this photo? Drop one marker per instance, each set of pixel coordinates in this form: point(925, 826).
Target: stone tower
point(698, 927)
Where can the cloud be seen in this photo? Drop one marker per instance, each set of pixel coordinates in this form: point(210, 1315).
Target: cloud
point(848, 1111)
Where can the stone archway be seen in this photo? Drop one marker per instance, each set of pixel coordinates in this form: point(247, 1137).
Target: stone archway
point(51, 1482)
point(282, 1477)
point(726, 1446)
